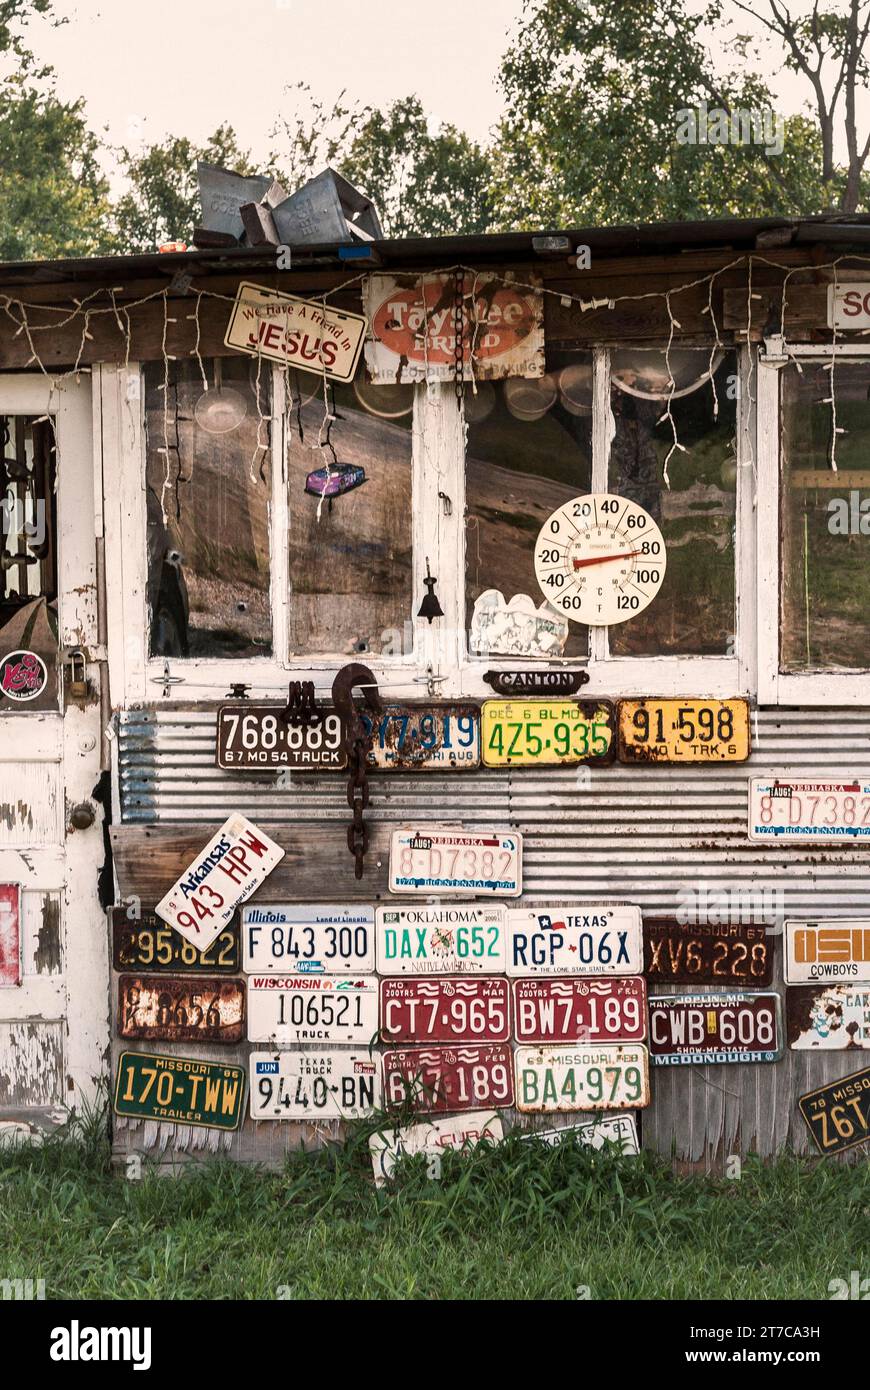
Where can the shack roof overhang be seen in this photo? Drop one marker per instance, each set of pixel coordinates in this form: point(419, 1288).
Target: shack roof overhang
point(834, 232)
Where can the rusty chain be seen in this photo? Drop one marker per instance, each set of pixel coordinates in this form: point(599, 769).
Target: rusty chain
point(459, 336)
point(358, 736)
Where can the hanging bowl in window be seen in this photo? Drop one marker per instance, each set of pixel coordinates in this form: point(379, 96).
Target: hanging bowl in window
point(479, 403)
point(575, 388)
point(220, 408)
point(644, 371)
point(390, 402)
point(530, 398)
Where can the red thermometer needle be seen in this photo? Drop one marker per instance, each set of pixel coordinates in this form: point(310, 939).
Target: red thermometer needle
point(603, 559)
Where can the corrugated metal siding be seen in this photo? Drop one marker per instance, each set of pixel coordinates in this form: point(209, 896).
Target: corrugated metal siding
point(645, 834)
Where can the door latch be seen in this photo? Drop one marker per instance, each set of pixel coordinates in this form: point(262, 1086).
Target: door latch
point(76, 679)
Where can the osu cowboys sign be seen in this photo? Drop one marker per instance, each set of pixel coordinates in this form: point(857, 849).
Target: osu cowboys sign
point(413, 336)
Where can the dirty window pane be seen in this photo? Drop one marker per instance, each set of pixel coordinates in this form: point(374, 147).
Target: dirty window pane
point(28, 566)
point(529, 451)
point(208, 491)
point(825, 517)
point(350, 518)
point(693, 613)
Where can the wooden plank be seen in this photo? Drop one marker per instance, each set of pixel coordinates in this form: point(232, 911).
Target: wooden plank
point(806, 307)
point(317, 865)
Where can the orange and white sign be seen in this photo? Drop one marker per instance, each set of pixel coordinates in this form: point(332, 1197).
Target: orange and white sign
point(413, 331)
point(832, 951)
point(300, 332)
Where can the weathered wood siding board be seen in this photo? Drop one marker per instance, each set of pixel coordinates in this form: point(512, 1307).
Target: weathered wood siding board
point(31, 805)
point(667, 838)
point(31, 1065)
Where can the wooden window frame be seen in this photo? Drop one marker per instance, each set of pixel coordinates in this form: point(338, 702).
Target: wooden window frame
point(776, 687)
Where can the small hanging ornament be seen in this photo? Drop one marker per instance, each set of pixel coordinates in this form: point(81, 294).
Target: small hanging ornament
point(430, 608)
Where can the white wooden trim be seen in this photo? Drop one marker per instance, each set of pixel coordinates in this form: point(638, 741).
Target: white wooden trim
point(279, 523)
point(125, 527)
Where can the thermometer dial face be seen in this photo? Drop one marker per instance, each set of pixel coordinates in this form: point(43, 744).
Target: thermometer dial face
point(600, 559)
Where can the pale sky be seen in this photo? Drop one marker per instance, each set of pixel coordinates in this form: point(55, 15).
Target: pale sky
point(184, 66)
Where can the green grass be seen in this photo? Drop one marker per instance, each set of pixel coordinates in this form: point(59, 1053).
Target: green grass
point(517, 1221)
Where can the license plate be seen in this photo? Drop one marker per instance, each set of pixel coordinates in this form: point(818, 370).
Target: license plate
point(233, 865)
point(804, 812)
point(308, 939)
point(707, 1028)
point(574, 940)
point(183, 1090)
point(314, 1086)
point(451, 861)
point(460, 940)
point(424, 738)
point(838, 1114)
point(146, 943)
point(734, 954)
point(684, 731)
point(432, 1138)
point(574, 1010)
point(827, 951)
point(312, 1009)
point(541, 732)
point(611, 1076)
point(594, 1134)
point(455, 1010)
point(178, 1010)
point(252, 737)
point(827, 1018)
point(449, 1078)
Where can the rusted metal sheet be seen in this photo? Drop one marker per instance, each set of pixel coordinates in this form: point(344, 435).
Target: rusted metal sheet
point(147, 943)
point(172, 1009)
point(731, 953)
point(828, 951)
point(256, 738)
point(576, 1010)
point(714, 1028)
point(10, 935)
point(609, 1076)
point(437, 1079)
point(838, 1113)
point(452, 1010)
point(520, 733)
point(684, 731)
point(828, 1017)
point(413, 333)
point(233, 865)
point(181, 1090)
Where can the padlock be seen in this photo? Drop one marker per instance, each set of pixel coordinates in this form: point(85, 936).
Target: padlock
point(77, 679)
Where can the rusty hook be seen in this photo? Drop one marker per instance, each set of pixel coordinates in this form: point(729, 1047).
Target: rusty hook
point(342, 691)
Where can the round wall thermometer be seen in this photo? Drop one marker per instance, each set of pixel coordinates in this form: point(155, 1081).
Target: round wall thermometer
point(600, 559)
